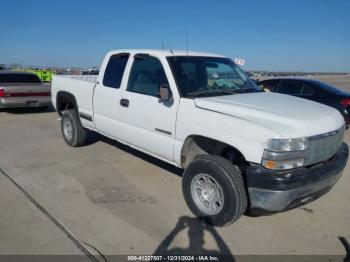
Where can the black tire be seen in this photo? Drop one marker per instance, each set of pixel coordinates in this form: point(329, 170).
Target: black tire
point(78, 134)
point(229, 177)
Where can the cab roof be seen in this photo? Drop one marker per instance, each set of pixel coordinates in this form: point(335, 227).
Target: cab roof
point(163, 52)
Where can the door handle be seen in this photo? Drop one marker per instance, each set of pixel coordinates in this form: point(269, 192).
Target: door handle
point(124, 102)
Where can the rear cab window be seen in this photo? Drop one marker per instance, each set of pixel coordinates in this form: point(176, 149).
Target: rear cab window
point(115, 70)
point(19, 78)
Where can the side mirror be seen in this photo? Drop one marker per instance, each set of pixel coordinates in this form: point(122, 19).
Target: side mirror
point(164, 92)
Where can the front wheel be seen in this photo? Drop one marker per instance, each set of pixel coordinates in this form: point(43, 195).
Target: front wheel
point(213, 189)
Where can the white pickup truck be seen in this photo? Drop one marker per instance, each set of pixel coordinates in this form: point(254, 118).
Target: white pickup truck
point(242, 149)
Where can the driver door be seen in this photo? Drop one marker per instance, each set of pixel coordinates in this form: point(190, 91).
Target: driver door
point(147, 122)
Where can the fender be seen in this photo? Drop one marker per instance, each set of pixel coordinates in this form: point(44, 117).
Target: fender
point(65, 97)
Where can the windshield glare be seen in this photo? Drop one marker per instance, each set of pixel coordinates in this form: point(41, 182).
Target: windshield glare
point(208, 76)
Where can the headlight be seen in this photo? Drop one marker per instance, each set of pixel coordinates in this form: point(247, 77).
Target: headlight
point(283, 145)
point(282, 154)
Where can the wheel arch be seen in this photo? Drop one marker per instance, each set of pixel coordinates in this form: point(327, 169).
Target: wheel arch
point(65, 100)
point(195, 145)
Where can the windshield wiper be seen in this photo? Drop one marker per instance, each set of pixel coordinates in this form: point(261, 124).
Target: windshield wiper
point(211, 92)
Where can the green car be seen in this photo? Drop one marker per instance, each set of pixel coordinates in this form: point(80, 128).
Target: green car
point(44, 75)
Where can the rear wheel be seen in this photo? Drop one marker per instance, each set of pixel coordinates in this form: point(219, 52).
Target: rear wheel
point(72, 130)
point(213, 189)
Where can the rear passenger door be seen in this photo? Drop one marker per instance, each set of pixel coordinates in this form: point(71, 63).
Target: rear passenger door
point(107, 95)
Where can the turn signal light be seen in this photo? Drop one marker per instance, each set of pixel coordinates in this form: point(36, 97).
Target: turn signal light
point(283, 164)
point(270, 164)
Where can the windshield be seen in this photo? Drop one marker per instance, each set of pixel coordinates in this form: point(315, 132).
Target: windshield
point(198, 76)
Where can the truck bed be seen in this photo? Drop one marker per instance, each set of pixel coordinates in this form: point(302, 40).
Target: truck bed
point(80, 86)
point(87, 78)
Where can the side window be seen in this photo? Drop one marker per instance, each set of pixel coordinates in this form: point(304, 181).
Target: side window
point(146, 76)
point(268, 85)
point(290, 88)
point(115, 70)
point(307, 91)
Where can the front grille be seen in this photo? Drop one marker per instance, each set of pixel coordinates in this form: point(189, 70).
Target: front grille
point(323, 147)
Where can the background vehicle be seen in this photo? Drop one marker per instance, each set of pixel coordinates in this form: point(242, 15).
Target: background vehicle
point(240, 147)
point(23, 89)
point(312, 90)
point(44, 75)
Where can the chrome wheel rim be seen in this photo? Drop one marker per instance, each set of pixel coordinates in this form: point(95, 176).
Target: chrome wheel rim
point(67, 129)
point(207, 194)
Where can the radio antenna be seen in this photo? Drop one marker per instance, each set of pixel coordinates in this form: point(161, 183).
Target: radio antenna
point(187, 78)
point(171, 51)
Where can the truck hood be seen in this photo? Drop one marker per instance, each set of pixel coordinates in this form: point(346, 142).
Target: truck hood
point(289, 116)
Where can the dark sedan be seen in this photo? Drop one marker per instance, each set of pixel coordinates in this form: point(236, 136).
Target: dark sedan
point(312, 90)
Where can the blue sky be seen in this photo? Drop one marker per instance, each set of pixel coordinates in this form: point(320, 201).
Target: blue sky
point(307, 35)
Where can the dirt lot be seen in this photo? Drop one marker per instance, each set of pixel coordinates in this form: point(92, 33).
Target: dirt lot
point(110, 198)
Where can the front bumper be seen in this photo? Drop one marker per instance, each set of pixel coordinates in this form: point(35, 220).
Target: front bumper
point(276, 191)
